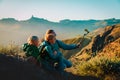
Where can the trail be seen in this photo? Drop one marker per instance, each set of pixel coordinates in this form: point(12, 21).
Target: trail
point(12, 68)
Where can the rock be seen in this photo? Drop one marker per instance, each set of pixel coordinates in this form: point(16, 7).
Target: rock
point(110, 34)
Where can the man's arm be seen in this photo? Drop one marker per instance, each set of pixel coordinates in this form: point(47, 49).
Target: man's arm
point(51, 53)
point(66, 46)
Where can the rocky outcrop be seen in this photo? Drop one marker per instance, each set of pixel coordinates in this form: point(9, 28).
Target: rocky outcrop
point(100, 40)
point(110, 34)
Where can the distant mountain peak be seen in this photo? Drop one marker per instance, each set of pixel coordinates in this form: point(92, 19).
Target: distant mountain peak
point(33, 17)
point(36, 19)
point(8, 19)
point(65, 21)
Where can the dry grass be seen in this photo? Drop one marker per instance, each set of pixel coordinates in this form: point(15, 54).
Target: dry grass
point(105, 65)
point(100, 67)
point(69, 53)
point(11, 49)
point(111, 50)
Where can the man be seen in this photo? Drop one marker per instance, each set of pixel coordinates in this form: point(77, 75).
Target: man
point(53, 48)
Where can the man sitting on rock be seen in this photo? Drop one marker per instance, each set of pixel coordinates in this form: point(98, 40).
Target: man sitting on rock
point(52, 47)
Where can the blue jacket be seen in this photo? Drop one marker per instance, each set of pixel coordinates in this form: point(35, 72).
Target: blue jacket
point(50, 48)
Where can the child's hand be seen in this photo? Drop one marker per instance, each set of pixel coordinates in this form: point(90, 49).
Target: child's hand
point(55, 52)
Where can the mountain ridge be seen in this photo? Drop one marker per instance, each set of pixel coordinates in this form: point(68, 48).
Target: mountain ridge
point(37, 26)
point(60, 21)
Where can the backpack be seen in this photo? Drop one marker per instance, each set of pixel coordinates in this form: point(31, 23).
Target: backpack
point(43, 53)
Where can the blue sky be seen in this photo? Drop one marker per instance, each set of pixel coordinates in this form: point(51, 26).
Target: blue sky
point(55, 10)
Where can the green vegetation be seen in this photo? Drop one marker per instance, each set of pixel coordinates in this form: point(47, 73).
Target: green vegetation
point(101, 67)
point(105, 65)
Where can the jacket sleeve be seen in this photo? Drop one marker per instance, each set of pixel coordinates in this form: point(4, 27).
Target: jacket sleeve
point(50, 52)
point(66, 46)
point(32, 52)
point(24, 47)
point(29, 51)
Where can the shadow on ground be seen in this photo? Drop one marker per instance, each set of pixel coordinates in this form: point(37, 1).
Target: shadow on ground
point(12, 68)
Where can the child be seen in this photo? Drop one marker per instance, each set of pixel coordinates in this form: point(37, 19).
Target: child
point(31, 49)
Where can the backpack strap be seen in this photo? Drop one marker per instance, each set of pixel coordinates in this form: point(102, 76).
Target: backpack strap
point(43, 53)
point(41, 49)
point(58, 43)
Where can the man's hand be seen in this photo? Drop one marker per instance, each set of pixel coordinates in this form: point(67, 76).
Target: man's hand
point(78, 45)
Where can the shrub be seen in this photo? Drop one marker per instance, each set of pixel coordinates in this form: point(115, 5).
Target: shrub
point(100, 67)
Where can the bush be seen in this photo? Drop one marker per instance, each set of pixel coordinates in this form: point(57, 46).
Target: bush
point(100, 67)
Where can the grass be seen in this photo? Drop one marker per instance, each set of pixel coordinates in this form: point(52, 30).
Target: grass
point(12, 65)
point(106, 65)
point(11, 49)
point(101, 67)
point(69, 53)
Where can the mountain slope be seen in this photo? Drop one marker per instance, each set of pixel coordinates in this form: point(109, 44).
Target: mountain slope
point(37, 26)
point(111, 50)
point(69, 53)
point(99, 40)
point(111, 33)
point(101, 56)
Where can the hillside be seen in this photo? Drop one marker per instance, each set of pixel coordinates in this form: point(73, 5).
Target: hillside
point(12, 68)
point(101, 56)
point(69, 53)
point(12, 28)
point(110, 34)
point(100, 38)
point(97, 58)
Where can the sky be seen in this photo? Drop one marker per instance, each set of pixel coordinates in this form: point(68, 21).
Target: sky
point(55, 10)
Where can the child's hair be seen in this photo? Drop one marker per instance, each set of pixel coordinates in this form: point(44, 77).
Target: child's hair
point(49, 37)
point(50, 31)
point(31, 39)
